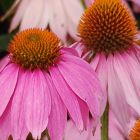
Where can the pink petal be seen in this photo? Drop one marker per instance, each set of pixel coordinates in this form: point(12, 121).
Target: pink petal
point(116, 97)
point(133, 69)
point(8, 80)
point(115, 129)
point(126, 82)
point(38, 102)
point(85, 112)
point(32, 14)
point(58, 115)
point(70, 51)
point(45, 17)
point(4, 62)
point(82, 80)
point(5, 124)
point(101, 70)
point(58, 20)
point(19, 14)
point(72, 133)
point(67, 97)
point(18, 111)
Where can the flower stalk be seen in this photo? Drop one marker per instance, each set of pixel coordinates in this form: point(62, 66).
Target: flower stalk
point(105, 124)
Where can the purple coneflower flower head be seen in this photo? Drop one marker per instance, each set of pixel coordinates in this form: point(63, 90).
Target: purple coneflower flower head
point(41, 82)
point(59, 15)
point(108, 32)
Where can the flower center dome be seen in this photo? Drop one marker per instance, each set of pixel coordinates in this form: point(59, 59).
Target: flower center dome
point(135, 132)
point(34, 48)
point(107, 26)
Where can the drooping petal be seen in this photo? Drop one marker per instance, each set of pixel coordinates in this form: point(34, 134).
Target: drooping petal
point(126, 82)
point(70, 51)
point(115, 129)
point(72, 133)
point(58, 20)
point(19, 129)
point(4, 62)
point(67, 97)
point(45, 17)
point(8, 80)
point(84, 111)
point(133, 69)
point(100, 65)
point(116, 97)
point(38, 102)
point(31, 18)
point(58, 115)
point(5, 124)
point(19, 14)
point(77, 77)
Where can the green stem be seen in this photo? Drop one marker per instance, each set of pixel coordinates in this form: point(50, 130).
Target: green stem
point(83, 3)
point(104, 123)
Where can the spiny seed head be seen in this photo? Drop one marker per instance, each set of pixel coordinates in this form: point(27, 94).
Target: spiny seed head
point(34, 48)
point(135, 132)
point(107, 26)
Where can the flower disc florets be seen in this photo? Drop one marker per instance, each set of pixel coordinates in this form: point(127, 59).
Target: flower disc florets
point(135, 132)
point(34, 48)
point(107, 26)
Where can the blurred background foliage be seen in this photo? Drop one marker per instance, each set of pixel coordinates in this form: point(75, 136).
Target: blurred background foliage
point(5, 36)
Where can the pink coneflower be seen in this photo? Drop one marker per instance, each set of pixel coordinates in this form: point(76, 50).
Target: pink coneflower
point(108, 30)
point(40, 82)
point(59, 15)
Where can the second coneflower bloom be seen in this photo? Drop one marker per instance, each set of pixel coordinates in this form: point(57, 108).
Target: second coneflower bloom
point(108, 32)
point(40, 83)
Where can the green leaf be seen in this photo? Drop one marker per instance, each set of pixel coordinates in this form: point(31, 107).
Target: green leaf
point(4, 42)
point(6, 4)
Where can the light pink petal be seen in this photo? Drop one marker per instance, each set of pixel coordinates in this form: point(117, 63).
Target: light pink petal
point(78, 61)
point(19, 129)
point(19, 14)
point(8, 80)
point(79, 48)
point(72, 30)
point(4, 62)
point(58, 115)
point(58, 20)
point(101, 70)
point(133, 69)
point(72, 133)
point(5, 124)
point(85, 112)
point(115, 129)
point(126, 82)
point(72, 16)
point(95, 62)
point(67, 97)
point(45, 17)
point(116, 97)
point(83, 81)
point(70, 51)
point(70, 8)
point(32, 14)
point(38, 102)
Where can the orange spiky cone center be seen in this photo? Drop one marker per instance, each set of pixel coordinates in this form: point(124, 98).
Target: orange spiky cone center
point(135, 132)
point(107, 26)
point(34, 48)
